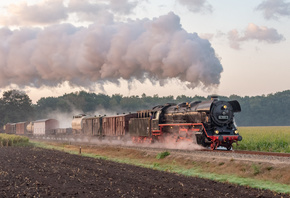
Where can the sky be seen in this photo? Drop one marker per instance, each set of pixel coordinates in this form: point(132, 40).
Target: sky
point(131, 47)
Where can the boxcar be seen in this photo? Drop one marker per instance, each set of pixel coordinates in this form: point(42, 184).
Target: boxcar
point(92, 126)
point(42, 127)
point(21, 128)
point(10, 128)
point(116, 125)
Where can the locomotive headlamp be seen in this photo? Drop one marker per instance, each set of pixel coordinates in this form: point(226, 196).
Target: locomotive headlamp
point(236, 132)
point(225, 106)
point(216, 131)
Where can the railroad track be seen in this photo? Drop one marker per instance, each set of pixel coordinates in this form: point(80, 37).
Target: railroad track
point(252, 152)
point(198, 151)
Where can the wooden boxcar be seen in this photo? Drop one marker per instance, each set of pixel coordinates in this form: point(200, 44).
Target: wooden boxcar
point(92, 126)
point(21, 128)
point(116, 125)
point(10, 128)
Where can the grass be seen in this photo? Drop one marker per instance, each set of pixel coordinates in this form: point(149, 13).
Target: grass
point(256, 169)
point(268, 139)
point(162, 155)
point(184, 167)
point(13, 140)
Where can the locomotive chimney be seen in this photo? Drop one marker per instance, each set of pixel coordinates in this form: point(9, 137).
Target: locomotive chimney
point(214, 97)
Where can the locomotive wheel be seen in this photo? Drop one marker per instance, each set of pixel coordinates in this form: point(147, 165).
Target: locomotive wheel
point(229, 147)
point(213, 146)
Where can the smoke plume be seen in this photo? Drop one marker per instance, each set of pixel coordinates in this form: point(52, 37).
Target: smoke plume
point(157, 49)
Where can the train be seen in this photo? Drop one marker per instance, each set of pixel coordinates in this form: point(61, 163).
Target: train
point(208, 123)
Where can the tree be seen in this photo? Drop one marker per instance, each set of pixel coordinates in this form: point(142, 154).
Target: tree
point(2, 114)
point(17, 106)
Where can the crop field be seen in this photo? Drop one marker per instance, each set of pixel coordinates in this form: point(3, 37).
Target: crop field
point(37, 172)
point(9, 140)
point(268, 139)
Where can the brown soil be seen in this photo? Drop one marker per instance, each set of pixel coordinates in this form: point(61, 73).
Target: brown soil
point(36, 172)
point(267, 170)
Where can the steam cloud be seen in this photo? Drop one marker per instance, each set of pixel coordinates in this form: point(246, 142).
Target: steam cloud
point(158, 49)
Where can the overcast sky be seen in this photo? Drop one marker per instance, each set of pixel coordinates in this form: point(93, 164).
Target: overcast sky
point(130, 47)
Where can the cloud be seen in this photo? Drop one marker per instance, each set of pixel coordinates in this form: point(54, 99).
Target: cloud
point(89, 11)
point(50, 12)
point(273, 9)
point(123, 6)
point(197, 5)
point(45, 12)
point(208, 36)
point(157, 49)
point(254, 32)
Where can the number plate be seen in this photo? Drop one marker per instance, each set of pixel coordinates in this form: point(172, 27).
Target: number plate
point(223, 117)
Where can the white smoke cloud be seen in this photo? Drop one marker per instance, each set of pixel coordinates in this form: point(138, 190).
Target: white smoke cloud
point(273, 9)
point(254, 32)
point(197, 5)
point(157, 49)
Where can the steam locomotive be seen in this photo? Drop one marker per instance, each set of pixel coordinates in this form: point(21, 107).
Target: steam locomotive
point(207, 123)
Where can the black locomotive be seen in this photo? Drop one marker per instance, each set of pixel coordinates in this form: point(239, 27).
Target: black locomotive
point(208, 123)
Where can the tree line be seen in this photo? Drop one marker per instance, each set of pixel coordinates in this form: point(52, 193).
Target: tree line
point(16, 106)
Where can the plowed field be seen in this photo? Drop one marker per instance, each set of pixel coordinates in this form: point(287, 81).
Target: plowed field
point(36, 172)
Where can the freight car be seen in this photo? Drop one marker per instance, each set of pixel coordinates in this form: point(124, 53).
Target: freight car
point(43, 127)
point(10, 128)
point(102, 126)
point(77, 123)
point(21, 128)
point(37, 128)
